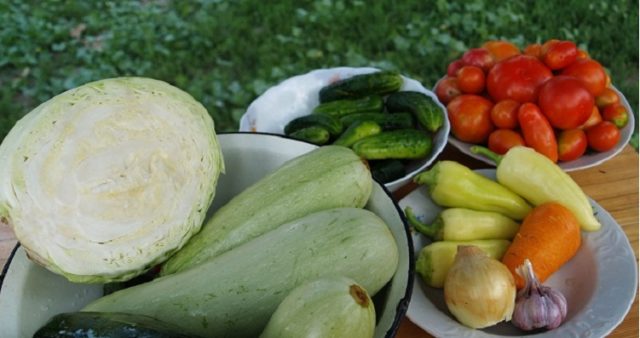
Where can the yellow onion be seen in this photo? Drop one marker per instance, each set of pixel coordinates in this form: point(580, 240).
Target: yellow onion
point(479, 291)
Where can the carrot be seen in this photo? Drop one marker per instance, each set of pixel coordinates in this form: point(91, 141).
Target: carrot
point(549, 236)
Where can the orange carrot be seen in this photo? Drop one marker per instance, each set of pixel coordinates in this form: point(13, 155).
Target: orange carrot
point(549, 236)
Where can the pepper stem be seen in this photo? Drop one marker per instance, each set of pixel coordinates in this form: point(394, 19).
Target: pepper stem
point(484, 151)
point(428, 178)
point(433, 230)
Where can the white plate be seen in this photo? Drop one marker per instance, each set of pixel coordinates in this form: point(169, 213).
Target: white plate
point(298, 95)
point(588, 160)
point(599, 283)
point(30, 294)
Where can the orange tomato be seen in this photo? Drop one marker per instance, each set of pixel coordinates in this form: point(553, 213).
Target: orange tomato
point(470, 117)
point(501, 49)
point(471, 79)
point(504, 114)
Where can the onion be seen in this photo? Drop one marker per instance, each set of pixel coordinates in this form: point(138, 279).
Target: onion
point(479, 291)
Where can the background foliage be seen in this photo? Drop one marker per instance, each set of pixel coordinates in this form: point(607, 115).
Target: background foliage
point(225, 53)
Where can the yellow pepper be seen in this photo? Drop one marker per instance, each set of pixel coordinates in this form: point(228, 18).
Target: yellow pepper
point(454, 185)
point(539, 180)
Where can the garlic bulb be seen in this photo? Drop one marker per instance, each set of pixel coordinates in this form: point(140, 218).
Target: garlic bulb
point(537, 306)
point(479, 290)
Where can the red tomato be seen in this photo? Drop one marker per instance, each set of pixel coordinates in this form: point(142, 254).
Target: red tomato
point(616, 114)
point(471, 79)
point(590, 72)
point(538, 133)
point(593, 119)
point(566, 102)
point(560, 54)
point(447, 89)
point(479, 57)
point(501, 140)
point(572, 143)
point(501, 50)
point(517, 78)
point(607, 98)
point(454, 66)
point(534, 49)
point(504, 114)
point(603, 136)
point(470, 117)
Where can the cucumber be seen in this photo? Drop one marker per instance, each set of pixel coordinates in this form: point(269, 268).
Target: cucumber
point(377, 83)
point(105, 324)
point(426, 111)
point(327, 177)
point(394, 144)
point(385, 171)
point(339, 108)
point(234, 294)
point(330, 123)
point(435, 259)
point(334, 307)
point(386, 121)
point(313, 134)
point(357, 131)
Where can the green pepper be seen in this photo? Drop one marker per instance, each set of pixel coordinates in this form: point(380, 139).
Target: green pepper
point(435, 259)
point(460, 224)
point(454, 185)
point(539, 180)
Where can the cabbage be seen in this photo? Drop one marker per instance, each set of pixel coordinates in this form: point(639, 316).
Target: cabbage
point(104, 181)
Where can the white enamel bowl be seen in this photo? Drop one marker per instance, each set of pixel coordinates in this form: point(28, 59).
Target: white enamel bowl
point(30, 294)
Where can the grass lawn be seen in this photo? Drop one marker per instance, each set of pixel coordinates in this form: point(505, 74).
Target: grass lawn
point(225, 53)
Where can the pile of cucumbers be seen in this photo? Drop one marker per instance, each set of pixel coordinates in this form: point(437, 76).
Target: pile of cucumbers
point(369, 114)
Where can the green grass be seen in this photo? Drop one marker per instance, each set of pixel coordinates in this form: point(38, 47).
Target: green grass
point(226, 53)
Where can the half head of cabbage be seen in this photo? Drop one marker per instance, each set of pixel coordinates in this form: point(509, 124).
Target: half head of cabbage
point(104, 181)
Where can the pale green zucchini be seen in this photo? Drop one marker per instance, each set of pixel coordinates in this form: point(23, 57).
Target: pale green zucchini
point(334, 307)
point(234, 294)
point(327, 177)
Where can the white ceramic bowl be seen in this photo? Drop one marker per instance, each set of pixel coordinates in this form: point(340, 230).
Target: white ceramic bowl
point(588, 160)
point(298, 95)
point(599, 282)
point(30, 294)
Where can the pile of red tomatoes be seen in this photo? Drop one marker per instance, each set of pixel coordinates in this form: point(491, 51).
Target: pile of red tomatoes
point(552, 97)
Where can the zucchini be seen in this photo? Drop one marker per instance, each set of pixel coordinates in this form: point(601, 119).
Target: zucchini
point(313, 134)
point(334, 307)
point(377, 83)
point(426, 111)
point(339, 108)
point(386, 121)
point(234, 294)
point(327, 177)
point(108, 324)
point(357, 131)
point(330, 123)
point(435, 259)
point(394, 144)
point(386, 171)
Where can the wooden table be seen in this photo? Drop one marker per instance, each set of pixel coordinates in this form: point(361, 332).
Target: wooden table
point(613, 184)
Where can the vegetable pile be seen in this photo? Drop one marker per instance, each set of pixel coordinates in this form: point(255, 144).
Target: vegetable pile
point(551, 97)
point(105, 182)
point(371, 115)
point(496, 236)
